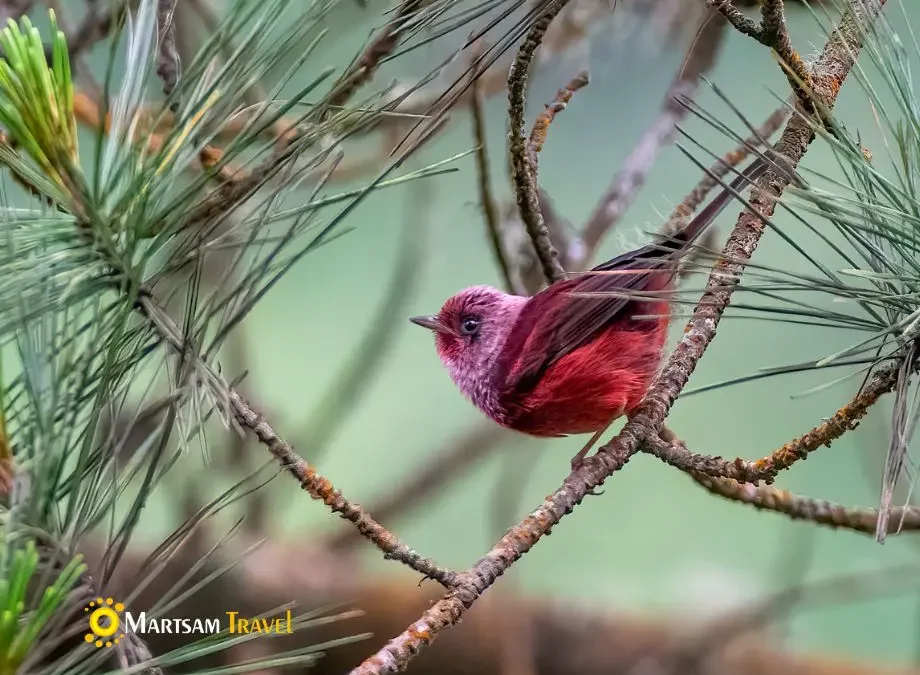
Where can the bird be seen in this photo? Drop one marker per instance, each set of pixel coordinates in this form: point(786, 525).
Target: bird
point(577, 355)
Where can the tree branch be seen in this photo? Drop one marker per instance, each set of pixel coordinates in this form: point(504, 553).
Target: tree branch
point(770, 498)
point(774, 34)
point(700, 58)
point(430, 478)
point(317, 486)
point(490, 212)
point(845, 419)
point(522, 154)
point(831, 68)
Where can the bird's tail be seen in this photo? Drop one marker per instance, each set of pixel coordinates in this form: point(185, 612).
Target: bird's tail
point(704, 218)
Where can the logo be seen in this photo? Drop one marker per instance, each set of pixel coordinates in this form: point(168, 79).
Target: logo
point(104, 622)
point(109, 622)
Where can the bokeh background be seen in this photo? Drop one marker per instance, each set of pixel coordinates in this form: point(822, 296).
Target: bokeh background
point(653, 543)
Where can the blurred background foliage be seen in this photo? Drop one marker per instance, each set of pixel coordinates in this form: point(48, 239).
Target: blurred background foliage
point(654, 545)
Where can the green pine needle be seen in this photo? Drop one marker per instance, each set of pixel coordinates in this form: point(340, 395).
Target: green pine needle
point(21, 624)
point(36, 102)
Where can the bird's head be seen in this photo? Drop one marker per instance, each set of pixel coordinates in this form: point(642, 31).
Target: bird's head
point(470, 330)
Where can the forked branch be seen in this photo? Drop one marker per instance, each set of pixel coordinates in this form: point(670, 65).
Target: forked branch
point(830, 70)
point(845, 419)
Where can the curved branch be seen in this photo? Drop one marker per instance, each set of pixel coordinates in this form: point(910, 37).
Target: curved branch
point(523, 155)
point(701, 57)
point(830, 70)
point(797, 507)
point(765, 469)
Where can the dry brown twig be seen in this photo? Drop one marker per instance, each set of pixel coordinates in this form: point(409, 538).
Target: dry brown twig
point(797, 507)
point(444, 466)
point(738, 479)
point(700, 58)
point(773, 33)
point(829, 71)
point(557, 105)
point(523, 154)
point(490, 212)
point(845, 419)
point(317, 486)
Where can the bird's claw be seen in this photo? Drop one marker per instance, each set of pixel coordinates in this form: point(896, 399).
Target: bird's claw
point(577, 463)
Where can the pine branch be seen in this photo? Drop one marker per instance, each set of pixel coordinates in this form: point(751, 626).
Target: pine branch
point(523, 155)
point(797, 507)
point(830, 70)
point(847, 418)
point(313, 483)
point(700, 58)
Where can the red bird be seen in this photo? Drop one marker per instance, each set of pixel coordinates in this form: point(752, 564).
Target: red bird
point(572, 358)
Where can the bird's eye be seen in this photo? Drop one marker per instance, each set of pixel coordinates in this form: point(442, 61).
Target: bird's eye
point(469, 325)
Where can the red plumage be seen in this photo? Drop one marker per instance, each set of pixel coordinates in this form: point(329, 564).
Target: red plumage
point(573, 357)
point(594, 383)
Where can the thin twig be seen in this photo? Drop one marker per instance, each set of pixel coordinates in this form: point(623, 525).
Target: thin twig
point(379, 48)
point(430, 478)
point(490, 211)
point(833, 66)
point(681, 214)
point(847, 418)
point(317, 486)
point(522, 155)
point(167, 55)
point(700, 58)
point(774, 34)
point(797, 507)
point(550, 110)
point(321, 489)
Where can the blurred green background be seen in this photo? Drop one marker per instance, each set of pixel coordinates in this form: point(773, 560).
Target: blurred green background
point(654, 542)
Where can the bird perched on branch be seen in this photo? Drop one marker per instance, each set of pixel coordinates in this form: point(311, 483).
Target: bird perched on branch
point(577, 355)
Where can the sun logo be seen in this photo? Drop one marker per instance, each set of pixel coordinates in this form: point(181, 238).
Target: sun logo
point(104, 622)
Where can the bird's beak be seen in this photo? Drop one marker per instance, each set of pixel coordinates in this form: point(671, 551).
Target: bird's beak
point(431, 323)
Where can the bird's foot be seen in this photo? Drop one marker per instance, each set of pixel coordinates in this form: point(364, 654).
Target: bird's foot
point(578, 460)
point(669, 436)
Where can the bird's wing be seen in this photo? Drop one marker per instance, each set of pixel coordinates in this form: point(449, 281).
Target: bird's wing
point(559, 319)
point(555, 322)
